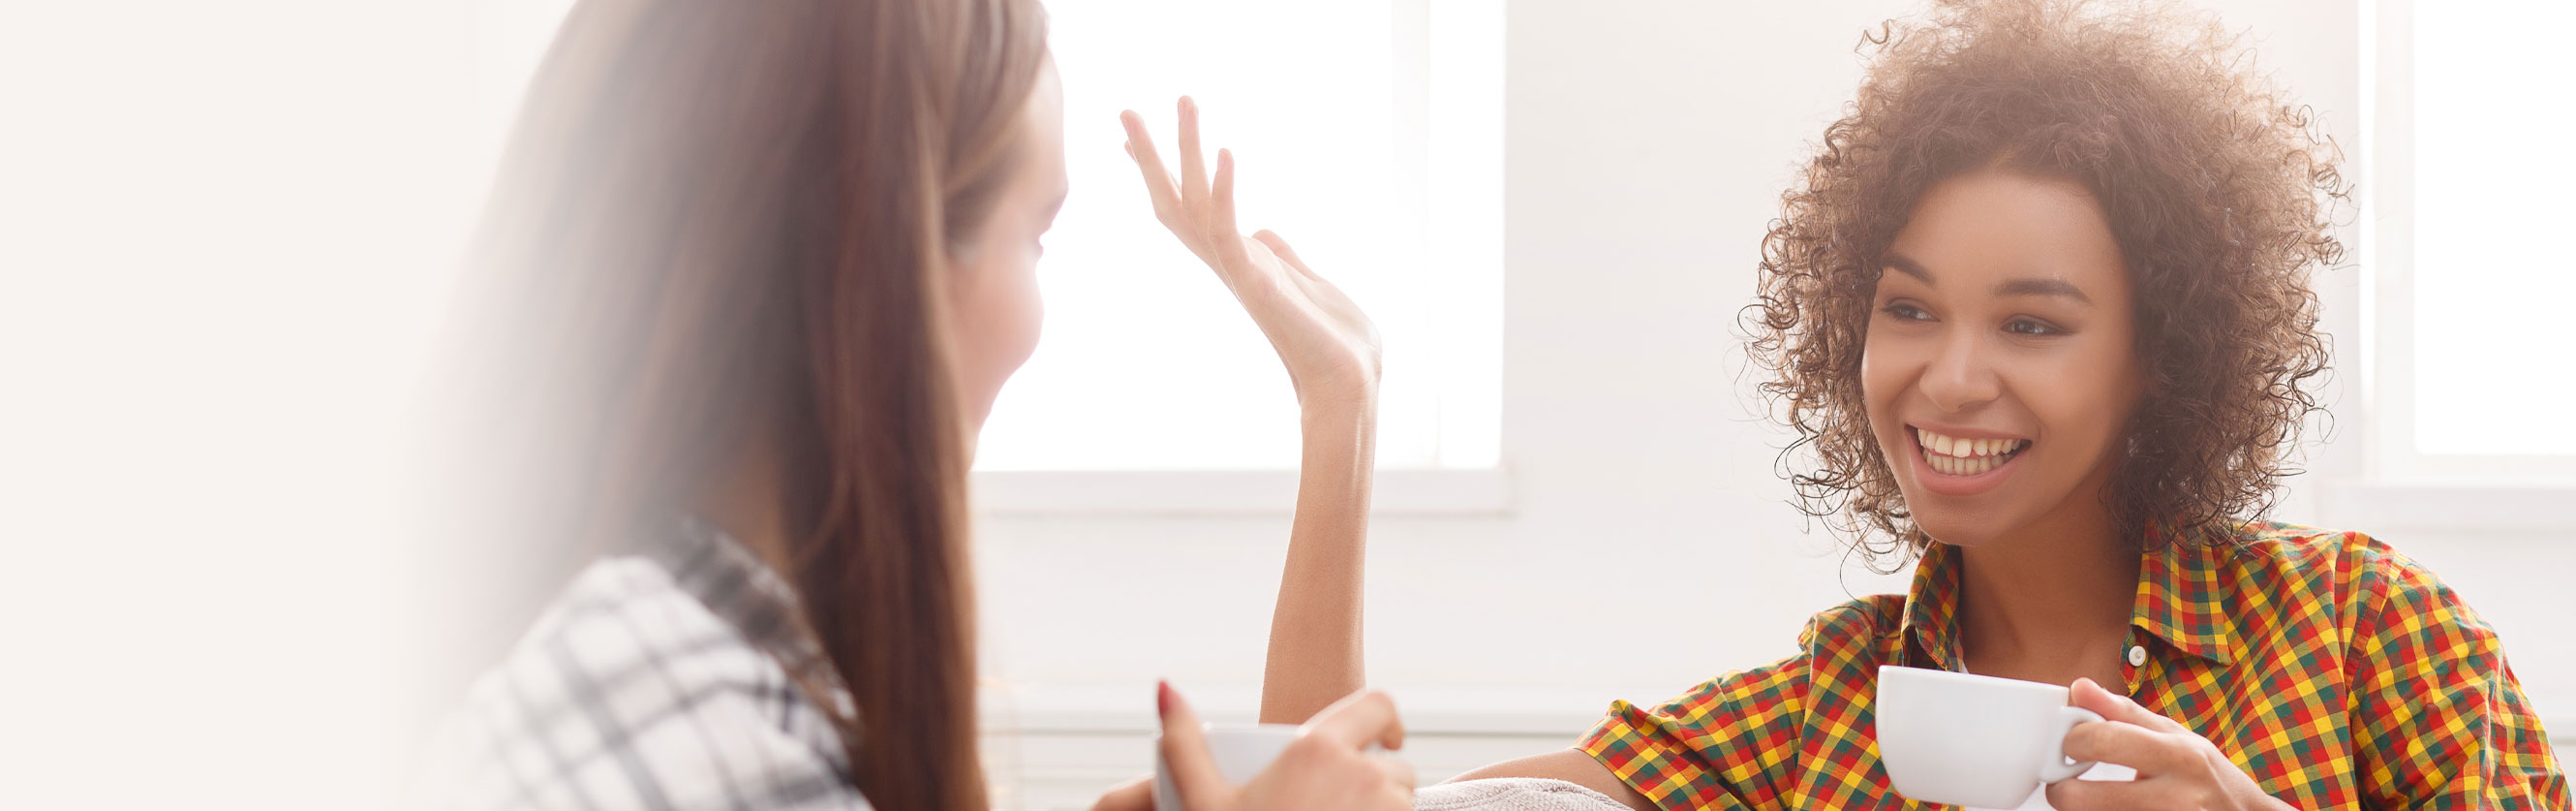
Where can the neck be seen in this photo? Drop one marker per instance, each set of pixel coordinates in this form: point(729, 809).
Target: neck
point(2051, 600)
point(748, 500)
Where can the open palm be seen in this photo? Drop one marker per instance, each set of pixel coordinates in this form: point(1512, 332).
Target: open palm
point(1329, 346)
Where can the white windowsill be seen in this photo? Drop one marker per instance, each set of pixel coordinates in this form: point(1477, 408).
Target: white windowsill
point(1403, 491)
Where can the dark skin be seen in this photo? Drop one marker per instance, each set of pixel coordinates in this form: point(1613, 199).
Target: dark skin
point(2003, 326)
point(2005, 317)
point(2000, 372)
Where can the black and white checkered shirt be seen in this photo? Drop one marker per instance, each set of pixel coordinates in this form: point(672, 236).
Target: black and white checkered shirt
point(657, 680)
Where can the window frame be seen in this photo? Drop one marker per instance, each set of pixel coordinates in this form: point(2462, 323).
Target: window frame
point(2381, 481)
point(1479, 486)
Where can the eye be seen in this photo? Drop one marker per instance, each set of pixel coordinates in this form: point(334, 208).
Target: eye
point(2031, 326)
point(1904, 311)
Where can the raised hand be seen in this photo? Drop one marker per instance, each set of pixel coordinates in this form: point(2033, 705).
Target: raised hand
point(1331, 351)
point(1329, 346)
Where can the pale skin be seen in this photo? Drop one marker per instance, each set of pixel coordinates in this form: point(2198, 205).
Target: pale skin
point(1330, 349)
point(2005, 315)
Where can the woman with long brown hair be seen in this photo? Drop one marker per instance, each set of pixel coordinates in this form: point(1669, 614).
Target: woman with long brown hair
point(750, 281)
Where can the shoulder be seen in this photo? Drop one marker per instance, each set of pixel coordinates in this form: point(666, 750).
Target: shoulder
point(628, 691)
point(1858, 623)
point(2375, 587)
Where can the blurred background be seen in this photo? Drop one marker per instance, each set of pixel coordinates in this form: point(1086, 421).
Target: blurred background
point(228, 232)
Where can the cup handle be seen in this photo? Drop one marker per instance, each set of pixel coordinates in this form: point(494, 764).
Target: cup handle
point(2056, 768)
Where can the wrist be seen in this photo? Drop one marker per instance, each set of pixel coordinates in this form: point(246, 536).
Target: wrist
point(1337, 393)
point(1338, 409)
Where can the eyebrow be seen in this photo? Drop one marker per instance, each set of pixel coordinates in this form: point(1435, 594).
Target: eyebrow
point(1901, 264)
point(2059, 288)
point(2042, 287)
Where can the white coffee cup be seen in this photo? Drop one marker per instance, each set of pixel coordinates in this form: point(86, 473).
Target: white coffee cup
point(1964, 739)
point(1241, 751)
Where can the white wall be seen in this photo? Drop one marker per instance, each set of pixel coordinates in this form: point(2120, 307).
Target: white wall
point(1647, 546)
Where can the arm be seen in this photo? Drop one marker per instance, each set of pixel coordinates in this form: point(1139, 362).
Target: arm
point(1331, 350)
point(2439, 717)
point(1315, 655)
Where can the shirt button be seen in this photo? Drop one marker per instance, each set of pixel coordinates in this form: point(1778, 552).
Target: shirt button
point(2137, 655)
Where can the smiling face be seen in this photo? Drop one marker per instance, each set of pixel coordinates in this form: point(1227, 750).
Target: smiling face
point(2000, 366)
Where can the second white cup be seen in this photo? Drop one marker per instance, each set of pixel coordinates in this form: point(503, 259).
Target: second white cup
point(1965, 739)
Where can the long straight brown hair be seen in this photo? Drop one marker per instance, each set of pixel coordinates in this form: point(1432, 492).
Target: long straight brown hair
point(721, 221)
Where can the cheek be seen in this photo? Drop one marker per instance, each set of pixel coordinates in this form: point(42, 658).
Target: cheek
point(2088, 396)
point(1886, 364)
point(998, 319)
point(1017, 313)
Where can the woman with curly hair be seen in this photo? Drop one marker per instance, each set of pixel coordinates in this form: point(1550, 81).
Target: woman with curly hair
point(2039, 314)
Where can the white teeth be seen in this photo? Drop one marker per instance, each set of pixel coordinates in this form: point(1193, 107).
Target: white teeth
point(1957, 456)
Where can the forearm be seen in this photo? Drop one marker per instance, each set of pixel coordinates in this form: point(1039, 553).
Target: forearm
point(1315, 656)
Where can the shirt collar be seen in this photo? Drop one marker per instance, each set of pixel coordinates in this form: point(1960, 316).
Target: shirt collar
point(2179, 600)
point(739, 588)
point(1930, 624)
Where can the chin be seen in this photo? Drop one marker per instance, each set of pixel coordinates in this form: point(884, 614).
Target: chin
point(1957, 530)
point(1964, 525)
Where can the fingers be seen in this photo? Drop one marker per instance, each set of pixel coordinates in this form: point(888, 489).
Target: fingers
point(2149, 751)
point(2080, 795)
point(1185, 755)
point(1361, 718)
point(1398, 772)
point(1222, 197)
point(1158, 181)
point(1194, 181)
point(1135, 795)
point(2087, 694)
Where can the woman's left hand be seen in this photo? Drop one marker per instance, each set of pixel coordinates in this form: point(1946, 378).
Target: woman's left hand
point(1328, 344)
point(2177, 768)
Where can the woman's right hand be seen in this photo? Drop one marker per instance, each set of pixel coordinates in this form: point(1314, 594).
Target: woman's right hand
point(1329, 346)
point(1328, 766)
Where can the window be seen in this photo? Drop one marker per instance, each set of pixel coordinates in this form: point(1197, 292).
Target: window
point(1378, 156)
point(2469, 365)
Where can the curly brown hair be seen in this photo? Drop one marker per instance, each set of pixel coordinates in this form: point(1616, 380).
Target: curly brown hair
point(2219, 191)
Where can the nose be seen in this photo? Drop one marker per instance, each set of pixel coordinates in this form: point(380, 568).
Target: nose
point(1962, 375)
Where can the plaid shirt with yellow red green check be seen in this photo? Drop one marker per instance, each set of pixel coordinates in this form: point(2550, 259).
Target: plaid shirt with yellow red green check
point(2333, 670)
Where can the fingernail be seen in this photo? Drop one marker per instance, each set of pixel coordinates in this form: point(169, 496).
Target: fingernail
point(1162, 698)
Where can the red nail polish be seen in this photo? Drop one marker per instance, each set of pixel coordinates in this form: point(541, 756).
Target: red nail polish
point(1162, 698)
